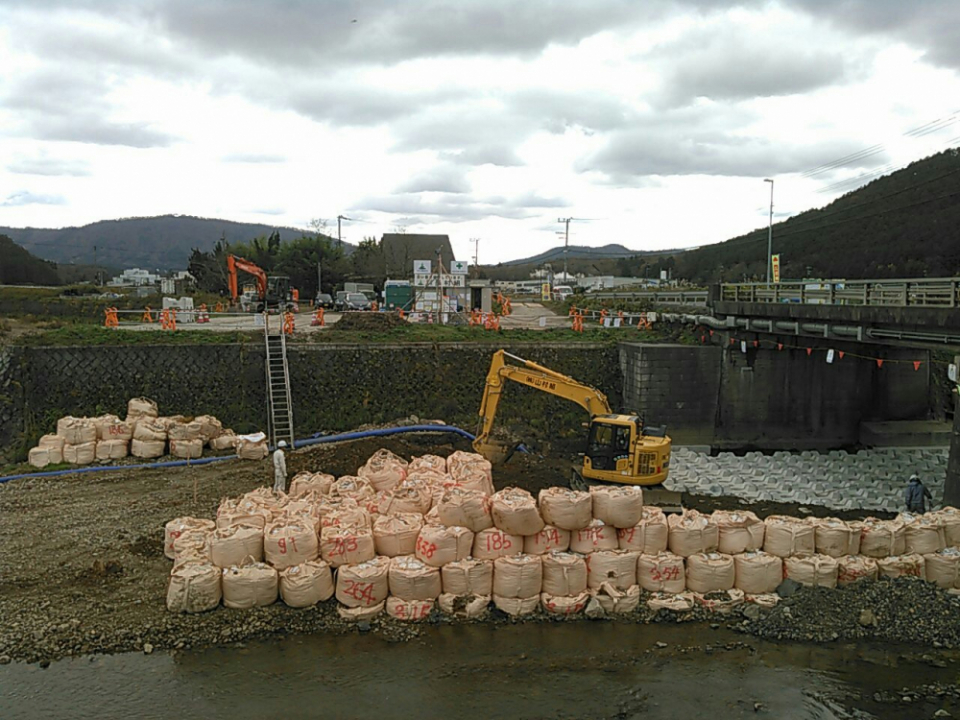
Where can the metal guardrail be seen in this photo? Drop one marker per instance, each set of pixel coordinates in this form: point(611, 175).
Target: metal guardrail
point(925, 292)
point(659, 297)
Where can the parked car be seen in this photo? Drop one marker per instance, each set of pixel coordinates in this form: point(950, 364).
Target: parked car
point(325, 301)
point(351, 301)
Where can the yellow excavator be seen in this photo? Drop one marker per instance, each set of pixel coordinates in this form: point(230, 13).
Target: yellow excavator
point(620, 449)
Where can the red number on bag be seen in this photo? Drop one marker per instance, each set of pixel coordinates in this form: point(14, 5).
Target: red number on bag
point(282, 544)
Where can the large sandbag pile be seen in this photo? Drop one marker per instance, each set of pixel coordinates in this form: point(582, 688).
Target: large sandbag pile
point(550, 539)
point(566, 509)
point(138, 408)
point(650, 536)
point(923, 534)
point(517, 583)
point(305, 482)
point(290, 542)
point(492, 543)
point(468, 577)
point(692, 532)
point(384, 470)
point(882, 538)
point(564, 574)
point(252, 584)
point(410, 579)
point(397, 534)
point(618, 567)
point(739, 531)
point(896, 566)
point(438, 545)
point(193, 588)
point(854, 568)
point(812, 570)
point(471, 471)
point(176, 527)
point(230, 545)
point(786, 536)
point(365, 585)
point(949, 516)
point(596, 536)
point(515, 512)
point(348, 544)
point(619, 506)
point(110, 427)
point(709, 572)
point(252, 447)
point(661, 573)
point(757, 572)
point(615, 601)
point(77, 431)
point(82, 454)
point(306, 584)
point(942, 567)
point(835, 538)
point(465, 508)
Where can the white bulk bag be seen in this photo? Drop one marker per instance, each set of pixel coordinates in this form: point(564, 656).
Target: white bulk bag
point(517, 606)
point(347, 545)
point(596, 536)
point(112, 449)
point(757, 572)
point(471, 468)
point(252, 447)
point(852, 568)
point(141, 407)
point(547, 540)
point(408, 610)
point(812, 570)
point(617, 567)
point(227, 440)
point(564, 574)
point(360, 613)
point(656, 531)
point(834, 537)
point(466, 508)
point(515, 512)
point(304, 482)
point(40, 457)
point(253, 584)
point(412, 495)
point(384, 470)
point(517, 576)
point(437, 545)
point(233, 512)
point(692, 532)
point(950, 517)
point(306, 584)
point(187, 449)
point(923, 534)
point(230, 545)
point(620, 506)
point(176, 527)
point(364, 585)
point(150, 429)
point(786, 536)
point(210, 427)
point(110, 427)
point(739, 531)
point(707, 572)
point(566, 509)
point(55, 442)
point(467, 577)
point(76, 431)
point(80, 454)
point(148, 448)
point(663, 572)
point(882, 538)
point(616, 601)
point(395, 535)
point(193, 588)
point(492, 543)
point(720, 601)
point(681, 602)
point(289, 542)
point(410, 579)
point(942, 567)
point(185, 431)
point(466, 606)
point(902, 566)
point(196, 542)
point(563, 604)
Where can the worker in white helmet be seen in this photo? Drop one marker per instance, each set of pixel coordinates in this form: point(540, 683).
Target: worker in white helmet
point(279, 468)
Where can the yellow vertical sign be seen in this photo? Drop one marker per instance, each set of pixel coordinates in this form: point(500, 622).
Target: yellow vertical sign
point(775, 261)
point(545, 292)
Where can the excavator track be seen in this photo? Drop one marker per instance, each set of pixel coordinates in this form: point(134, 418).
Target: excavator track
point(669, 501)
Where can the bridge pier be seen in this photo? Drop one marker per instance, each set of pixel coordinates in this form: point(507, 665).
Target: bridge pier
point(951, 486)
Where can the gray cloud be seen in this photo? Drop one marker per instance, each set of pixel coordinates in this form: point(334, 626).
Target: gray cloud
point(269, 211)
point(444, 178)
point(25, 197)
point(447, 207)
point(43, 165)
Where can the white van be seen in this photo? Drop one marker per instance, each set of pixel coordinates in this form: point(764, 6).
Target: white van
point(562, 292)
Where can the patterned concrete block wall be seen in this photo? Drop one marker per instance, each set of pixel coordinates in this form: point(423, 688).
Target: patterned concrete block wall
point(11, 398)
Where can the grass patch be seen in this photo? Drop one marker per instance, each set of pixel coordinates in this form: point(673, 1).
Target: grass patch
point(82, 334)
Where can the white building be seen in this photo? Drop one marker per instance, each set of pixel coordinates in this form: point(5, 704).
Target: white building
point(134, 277)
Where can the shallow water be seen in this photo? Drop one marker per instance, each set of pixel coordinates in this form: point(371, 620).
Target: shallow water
point(582, 670)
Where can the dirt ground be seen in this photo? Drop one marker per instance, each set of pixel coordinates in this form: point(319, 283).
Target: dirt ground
point(83, 571)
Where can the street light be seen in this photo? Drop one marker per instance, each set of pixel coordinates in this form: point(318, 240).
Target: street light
point(770, 234)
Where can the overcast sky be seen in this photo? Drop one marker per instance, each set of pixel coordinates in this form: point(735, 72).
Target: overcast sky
point(653, 124)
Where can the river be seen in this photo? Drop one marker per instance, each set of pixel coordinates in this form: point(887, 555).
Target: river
point(593, 670)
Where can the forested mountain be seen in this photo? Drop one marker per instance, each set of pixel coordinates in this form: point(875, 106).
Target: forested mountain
point(19, 267)
point(906, 224)
point(163, 242)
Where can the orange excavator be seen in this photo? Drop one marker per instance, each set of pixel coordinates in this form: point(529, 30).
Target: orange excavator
point(273, 292)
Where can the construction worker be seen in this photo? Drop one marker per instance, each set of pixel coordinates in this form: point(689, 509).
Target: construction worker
point(916, 495)
point(279, 468)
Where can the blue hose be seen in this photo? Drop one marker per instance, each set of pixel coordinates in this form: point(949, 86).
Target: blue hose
point(314, 440)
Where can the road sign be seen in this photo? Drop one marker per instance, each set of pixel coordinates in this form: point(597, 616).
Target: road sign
point(421, 267)
point(775, 260)
point(458, 267)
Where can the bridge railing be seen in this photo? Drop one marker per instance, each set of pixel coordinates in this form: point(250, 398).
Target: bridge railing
point(925, 292)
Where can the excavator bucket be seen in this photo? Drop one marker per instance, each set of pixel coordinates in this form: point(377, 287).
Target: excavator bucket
point(495, 452)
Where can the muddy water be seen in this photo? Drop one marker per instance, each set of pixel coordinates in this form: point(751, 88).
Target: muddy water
point(596, 670)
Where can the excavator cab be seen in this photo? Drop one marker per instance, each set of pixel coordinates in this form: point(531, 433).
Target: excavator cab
point(619, 450)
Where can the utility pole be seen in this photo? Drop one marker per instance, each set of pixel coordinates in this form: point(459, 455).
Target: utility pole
point(476, 250)
point(319, 286)
point(566, 243)
point(770, 235)
point(439, 285)
point(96, 272)
point(951, 486)
point(339, 236)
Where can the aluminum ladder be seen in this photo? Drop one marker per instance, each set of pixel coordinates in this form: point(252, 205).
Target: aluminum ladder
point(279, 402)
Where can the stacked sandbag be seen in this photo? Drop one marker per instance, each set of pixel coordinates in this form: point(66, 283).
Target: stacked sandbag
point(408, 610)
point(176, 527)
point(615, 601)
point(465, 508)
point(251, 584)
point(82, 454)
point(306, 584)
point(650, 536)
point(193, 588)
point(227, 440)
point(112, 449)
point(384, 470)
point(428, 464)
point(882, 538)
point(305, 482)
point(596, 536)
point(471, 470)
point(77, 431)
point(681, 602)
point(210, 427)
point(492, 543)
point(252, 447)
point(344, 512)
point(692, 532)
point(49, 451)
point(709, 572)
point(288, 542)
point(149, 438)
point(186, 449)
point(786, 536)
point(618, 567)
point(110, 427)
point(179, 430)
point(896, 566)
point(549, 539)
point(564, 574)
point(468, 577)
point(395, 535)
point(138, 408)
point(757, 572)
point(949, 516)
point(923, 534)
point(738, 530)
point(347, 544)
point(192, 544)
point(464, 606)
point(515, 512)
point(619, 506)
point(242, 512)
point(438, 545)
point(853, 568)
point(812, 570)
point(230, 545)
point(412, 495)
point(661, 573)
point(835, 538)
point(517, 582)
point(721, 601)
point(564, 604)
point(364, 586)
point(566, 509)
point(942, 567)
point(411, 579)
point(352, 487)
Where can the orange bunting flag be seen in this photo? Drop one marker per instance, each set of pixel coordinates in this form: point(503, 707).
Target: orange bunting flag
point(840, 353)
point(879, 363)
point(779, 346)
point(756, 343)
point(711, 333)
point(809, 351)
point(916, 364)
point(731, 341)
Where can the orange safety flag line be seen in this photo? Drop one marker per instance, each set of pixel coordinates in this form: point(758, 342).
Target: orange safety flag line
point(916, 364)
point(111, 320)
point(147, 315)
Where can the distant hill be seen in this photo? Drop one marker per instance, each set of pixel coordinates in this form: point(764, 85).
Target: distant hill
point(19, 267)
point(906, 224)
point(162, 242)
point(576, 252)
point(607, 260)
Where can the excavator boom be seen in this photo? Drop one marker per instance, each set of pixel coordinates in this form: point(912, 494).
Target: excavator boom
point(235, 263)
